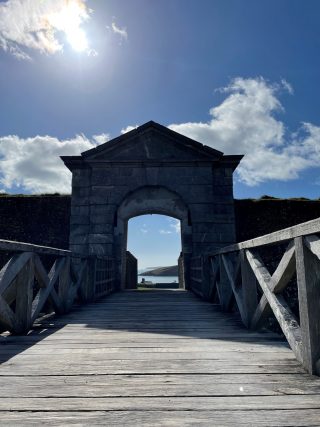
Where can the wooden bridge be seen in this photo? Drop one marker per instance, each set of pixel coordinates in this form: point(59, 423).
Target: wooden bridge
point(163, 357)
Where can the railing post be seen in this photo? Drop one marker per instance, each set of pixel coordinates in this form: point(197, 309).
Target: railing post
point(64, 285)
point(24, 286)
point(308, 278)
point(205, 277)
point(249, 289)
point(224, 288)
point(88, 288)
point(187, 270)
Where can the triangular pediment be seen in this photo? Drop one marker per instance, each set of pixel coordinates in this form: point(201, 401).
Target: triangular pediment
point(152, 142)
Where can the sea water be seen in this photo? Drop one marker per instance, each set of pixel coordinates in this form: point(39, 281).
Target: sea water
point(159, 279)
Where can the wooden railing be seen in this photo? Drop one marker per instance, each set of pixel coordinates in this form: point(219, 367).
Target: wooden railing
point(36, 280)
point(237, 269)
point(196, 270)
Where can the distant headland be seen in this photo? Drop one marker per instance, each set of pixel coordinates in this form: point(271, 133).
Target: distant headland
point(161, 271)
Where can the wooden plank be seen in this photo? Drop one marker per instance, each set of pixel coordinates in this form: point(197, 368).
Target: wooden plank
point(121, 367)
point(308, 278)
point(159, 385)
point(157, 404)
point(303, 229)
point(229, 418)
point(148, 358)
point(276, 418)
point(141, 350)
point(241, 357)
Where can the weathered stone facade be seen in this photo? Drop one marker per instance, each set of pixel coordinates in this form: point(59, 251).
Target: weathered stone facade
point(151, 170)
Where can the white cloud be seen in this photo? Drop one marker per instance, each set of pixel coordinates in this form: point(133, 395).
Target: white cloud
point(144, 230)
point(122, 32)
point(128, 129)
point(101, 138)
point(287, 86)
point(43, 26)
point(175, 224)
point(165, 232)
point(33, 164)
point(247, 122)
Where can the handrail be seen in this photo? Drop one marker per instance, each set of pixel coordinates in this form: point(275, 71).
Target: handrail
point(236, 271)
point(28, 289)
point(13, 246)
point(303, 229)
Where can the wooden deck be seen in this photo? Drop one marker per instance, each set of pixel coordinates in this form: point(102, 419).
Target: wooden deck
point(153, 357)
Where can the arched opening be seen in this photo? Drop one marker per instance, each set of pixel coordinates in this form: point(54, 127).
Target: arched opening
point(156, 200)
point(155, 241)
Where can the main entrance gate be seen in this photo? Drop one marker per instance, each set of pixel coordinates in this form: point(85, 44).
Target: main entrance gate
point(151, 170)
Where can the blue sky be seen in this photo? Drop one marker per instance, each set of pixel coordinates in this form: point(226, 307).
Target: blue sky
point(239, 75)
point(155, 240)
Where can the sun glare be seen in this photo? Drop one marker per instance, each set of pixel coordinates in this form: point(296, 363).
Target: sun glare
point(68, 20)
point(77, 39)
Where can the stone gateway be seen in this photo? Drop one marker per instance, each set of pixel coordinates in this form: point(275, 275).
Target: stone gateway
point(151, 170)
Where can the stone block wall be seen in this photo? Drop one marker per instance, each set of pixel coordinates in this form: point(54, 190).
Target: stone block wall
point(44, 220)
point(206, 190)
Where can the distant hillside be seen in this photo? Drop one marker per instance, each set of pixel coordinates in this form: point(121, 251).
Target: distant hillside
point(162, 271)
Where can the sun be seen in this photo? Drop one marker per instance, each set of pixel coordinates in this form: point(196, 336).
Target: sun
point(77, 39)
point(68, 20)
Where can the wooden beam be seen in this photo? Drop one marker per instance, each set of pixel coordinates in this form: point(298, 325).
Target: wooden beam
point(12, 268)
point(7, 316)
point(47, 290)
point(226, 286)
point(80, 277)
point(279, 280)
point(308, 278)
point(40, 272)
point(285, 270)
point(280, 308)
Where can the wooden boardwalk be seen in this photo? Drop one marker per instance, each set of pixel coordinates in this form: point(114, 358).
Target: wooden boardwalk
point(153, 358)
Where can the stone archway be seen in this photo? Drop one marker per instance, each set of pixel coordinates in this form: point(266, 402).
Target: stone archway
point(151, 170)
point(151, 200)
